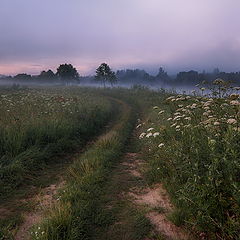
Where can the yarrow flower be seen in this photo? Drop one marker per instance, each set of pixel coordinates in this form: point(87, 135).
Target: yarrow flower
point(231, 121)
point(194, 105)
point(216, 123)
point(149, 135)
point(156, 134)
point(235, 103)
point(161, 145)
point(142, 135)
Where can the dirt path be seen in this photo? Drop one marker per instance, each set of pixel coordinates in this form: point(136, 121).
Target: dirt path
point(48, 195)
point(155, 199)
point(43, 200)
point(140, 211)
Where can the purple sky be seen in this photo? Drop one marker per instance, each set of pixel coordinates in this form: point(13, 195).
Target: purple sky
point(176, 34)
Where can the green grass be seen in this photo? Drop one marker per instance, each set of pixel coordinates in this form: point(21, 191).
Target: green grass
point(80, 208)
point(195, 156)
point(38, 125)
point(198, 161)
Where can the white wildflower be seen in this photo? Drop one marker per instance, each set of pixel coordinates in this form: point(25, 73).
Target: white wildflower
point(177, 113)
point(156, 134)
point(235, 103)
point(194, 105)
point(149, 135)
point(142, 135)
point(161, 145)
point(150, 129)
point(231, 121)
point(138, 126)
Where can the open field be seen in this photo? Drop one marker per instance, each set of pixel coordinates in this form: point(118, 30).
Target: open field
point(135, 164)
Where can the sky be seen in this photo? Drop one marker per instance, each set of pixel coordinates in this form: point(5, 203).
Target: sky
point(36, 35)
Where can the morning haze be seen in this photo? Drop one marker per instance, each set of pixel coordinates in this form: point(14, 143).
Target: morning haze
point(179, 35)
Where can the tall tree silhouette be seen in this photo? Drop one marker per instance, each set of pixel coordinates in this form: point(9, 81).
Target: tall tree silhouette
point(105, 74)
point(67, 73)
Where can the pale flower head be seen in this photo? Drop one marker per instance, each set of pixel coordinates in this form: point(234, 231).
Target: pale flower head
point(142, 135)
point(161, 145)
point(138, 126)
point(156, 134)
point(235, 103)
point(231, 121)
point(216, 123)
point(149, 135)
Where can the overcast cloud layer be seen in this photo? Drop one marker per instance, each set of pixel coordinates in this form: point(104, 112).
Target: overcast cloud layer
point(176, 34)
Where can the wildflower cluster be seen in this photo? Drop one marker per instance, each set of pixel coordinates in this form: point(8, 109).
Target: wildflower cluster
point(197, 156)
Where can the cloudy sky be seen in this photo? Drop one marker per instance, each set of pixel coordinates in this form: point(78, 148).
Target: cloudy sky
point(176, 34)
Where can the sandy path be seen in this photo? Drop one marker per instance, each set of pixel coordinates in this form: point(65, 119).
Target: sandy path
point(154, 197)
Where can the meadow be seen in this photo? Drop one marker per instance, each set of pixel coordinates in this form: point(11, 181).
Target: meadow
point(192, 145)
point(189, 143)
point(38, 124)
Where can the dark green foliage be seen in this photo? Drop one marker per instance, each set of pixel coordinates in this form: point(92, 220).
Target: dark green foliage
point(67, 73)
point(104, 74)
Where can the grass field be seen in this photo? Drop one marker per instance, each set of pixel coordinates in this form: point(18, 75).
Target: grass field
point(190, 144)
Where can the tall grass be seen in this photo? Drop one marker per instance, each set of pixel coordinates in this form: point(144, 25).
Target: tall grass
point(36, 125)
point(81, 209)
point(193, 147)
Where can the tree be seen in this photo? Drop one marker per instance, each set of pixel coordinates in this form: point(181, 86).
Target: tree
point(162, 75)
point(105, 74)
point(49, 75)
point(23, 77)
point(67, 73)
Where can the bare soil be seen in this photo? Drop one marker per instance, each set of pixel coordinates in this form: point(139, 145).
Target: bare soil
point(155, 199)
point(44, 200)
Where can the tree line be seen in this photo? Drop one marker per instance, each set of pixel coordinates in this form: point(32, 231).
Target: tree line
point(68, 74)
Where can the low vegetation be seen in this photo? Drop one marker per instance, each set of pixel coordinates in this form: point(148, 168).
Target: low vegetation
point(190, 143)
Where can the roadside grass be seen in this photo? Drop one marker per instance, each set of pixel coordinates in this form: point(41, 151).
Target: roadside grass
point(126, 220)
point(192, 146)
point(80, 208)
point(36, 126)
point(51, 123)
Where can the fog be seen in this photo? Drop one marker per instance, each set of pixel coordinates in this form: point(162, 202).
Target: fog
point(179, 35)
